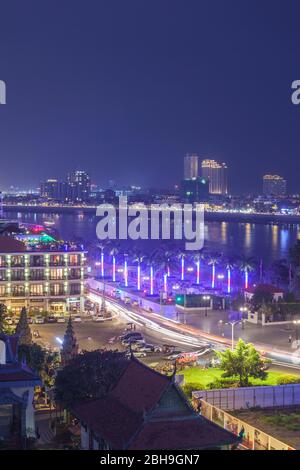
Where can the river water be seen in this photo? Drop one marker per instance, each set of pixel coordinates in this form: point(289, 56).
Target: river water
point(268, 242)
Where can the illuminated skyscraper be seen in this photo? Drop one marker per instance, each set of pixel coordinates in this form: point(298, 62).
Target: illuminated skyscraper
point(216, 173)
point(274, 185)
point(190, 166)
point(80, 186)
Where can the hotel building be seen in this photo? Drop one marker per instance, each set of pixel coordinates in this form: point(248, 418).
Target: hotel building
point(48, 278)
point(190, 166)
point(274, 185)
point(216, 173)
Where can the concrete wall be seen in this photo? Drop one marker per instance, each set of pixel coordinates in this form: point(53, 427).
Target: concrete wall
point(248, 397)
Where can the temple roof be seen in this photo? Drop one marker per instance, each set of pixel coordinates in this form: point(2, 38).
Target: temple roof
point(127, 417)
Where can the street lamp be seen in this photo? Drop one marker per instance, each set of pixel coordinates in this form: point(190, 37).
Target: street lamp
point(232, 323)
point(206, 298)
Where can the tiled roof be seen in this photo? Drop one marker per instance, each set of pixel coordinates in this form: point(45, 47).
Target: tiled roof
point(123, 417)
point(110, 419)
point(16, 373)
point(140, 387)
point(189, 433)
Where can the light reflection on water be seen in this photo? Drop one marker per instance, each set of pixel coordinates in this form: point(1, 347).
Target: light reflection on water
point(268, 242)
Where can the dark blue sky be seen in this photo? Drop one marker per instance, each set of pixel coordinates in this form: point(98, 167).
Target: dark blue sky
point(124, 88)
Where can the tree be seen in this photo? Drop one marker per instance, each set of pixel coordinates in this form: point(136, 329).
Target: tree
point(88, 376)
point(40, 360)
point(23, 329)
point(244, 362)
point(246, 266)
point(70, 345)
point(3, 311)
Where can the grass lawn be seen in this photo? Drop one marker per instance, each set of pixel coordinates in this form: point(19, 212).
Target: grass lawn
point(204, 377)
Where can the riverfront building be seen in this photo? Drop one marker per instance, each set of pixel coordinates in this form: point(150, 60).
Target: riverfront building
point(216, 173)
point(190, 166)
point(274, 185)
point(41, 276)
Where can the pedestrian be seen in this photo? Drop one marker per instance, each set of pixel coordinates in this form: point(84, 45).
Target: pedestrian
point(290, 339)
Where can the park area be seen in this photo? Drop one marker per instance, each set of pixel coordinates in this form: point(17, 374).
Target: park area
point(196, 378)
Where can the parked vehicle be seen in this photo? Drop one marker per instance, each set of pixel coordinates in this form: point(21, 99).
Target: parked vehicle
point(61, 320)
point(39, 319)
point(135, 303)
point(140, 354)
point(130, 334)
point(51, 319)
point(77, 318)
point(133, 336)
point(98, 318)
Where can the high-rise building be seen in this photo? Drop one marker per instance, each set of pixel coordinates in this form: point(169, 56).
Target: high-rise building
point(80, 186)
point(274, 185)
point(216, 173)
point(190, 166)
point(50, 189)
point(195, 190)
point(40, 275)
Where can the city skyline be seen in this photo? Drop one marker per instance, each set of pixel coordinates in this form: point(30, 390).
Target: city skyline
point(130, 105)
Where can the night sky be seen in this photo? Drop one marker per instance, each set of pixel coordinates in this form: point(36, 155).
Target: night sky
point(124, 88)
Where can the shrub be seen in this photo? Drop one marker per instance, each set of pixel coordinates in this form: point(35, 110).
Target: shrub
point(222, 383)
point(288, 379)
point(192, 387)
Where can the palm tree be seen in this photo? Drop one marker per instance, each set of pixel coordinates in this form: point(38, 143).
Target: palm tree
point(101, 246)
point(230, 265)
point(246, 266)
point(152, 262)
point(213, 260)
point(114, 251)
point(138, 258)
point(181, 256)
point(197, 258)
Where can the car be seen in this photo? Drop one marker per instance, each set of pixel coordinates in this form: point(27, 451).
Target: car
point(132, 338)
point(127, 342)
point(39, 319)
point(140, 354)
point(61, 320)
point(97, 318)
point(127, 300)
point(130, 334)
point(51, 319)
point(135, 303)
point(77, 318)
point(8, 321)
point(147, 348)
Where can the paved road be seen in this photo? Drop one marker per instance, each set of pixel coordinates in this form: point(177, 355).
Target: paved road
point(193, 329)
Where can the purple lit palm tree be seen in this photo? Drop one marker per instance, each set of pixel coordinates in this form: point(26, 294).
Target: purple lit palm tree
point(181, 256)
point(230, 265)
point(197, 258)
point(214, 259)
point(138, 258)
point(101, 246)
point(113, 253)
point(246, 266)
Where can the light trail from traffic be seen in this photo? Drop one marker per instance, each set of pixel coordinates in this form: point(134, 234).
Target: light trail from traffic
point(188, 335)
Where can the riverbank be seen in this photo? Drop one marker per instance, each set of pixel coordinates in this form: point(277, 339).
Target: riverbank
point(277, 219)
